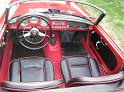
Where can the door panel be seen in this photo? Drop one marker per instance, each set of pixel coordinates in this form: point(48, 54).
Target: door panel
point(104, 51)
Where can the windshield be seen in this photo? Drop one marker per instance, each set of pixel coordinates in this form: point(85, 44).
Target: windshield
point(90, 12)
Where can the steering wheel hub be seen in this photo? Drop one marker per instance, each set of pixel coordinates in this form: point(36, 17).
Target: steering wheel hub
point(34, 32)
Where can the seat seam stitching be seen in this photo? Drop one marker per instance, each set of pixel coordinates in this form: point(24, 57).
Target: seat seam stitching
point(19, 71)
point(66, 59)
point(44, 70)
point(89, 63)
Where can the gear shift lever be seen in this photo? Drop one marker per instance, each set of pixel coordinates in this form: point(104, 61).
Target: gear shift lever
point(52, 41)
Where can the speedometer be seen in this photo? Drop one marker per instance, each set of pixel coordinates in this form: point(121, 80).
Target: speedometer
point(34, 20)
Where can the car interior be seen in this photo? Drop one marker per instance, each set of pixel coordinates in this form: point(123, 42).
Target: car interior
point(49, 52)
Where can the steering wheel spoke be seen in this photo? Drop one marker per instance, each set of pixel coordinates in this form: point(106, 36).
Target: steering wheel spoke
point(41, 34)
point(25, 35)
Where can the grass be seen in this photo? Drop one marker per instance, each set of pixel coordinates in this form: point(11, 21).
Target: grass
point(114, 21)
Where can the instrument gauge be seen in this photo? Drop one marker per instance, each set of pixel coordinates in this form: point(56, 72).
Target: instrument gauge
point(43, 23)
point(24, 23)
point(34, 20)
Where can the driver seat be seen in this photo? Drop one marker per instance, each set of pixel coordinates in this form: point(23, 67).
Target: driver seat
point(32, 69)
point(31, 73)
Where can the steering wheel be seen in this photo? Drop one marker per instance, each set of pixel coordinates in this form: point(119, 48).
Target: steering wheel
point(30, 35)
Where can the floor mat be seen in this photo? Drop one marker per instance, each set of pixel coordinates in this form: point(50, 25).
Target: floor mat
point(20, 51)
point(70, 49)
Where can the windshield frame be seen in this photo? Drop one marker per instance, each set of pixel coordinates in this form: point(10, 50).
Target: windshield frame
point(100, 17)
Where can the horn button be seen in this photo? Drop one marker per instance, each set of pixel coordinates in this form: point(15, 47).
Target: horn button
point(34, 32)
